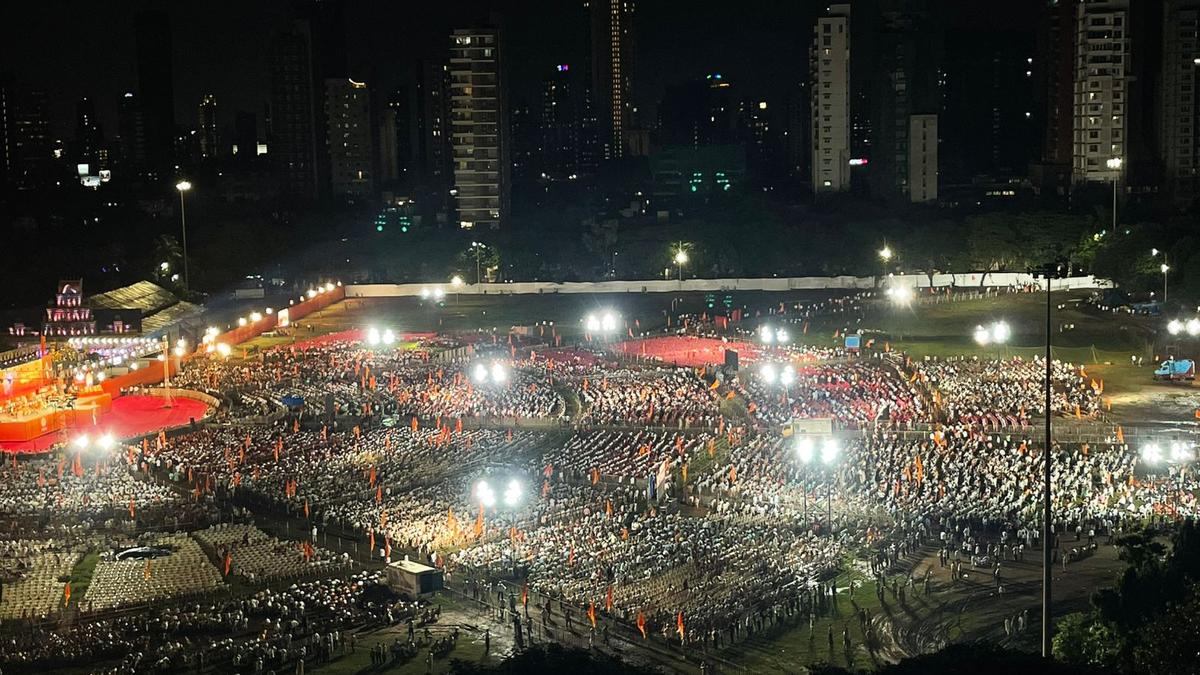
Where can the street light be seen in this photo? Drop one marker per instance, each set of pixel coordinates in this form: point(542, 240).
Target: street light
point(768, 373)
point(788, 376)
point(997, 333)
point(1114, 164)
point(1181, 452)
point(1175, 326)
point(496, 373)
point(485, 494)
point(681, 258)
point(900, 295)
point(769, 335)
point(604, 323)
point(457, 283)
point(830, 450)
point(478, 248)
point(512, 493)
point(885, 253)
point(183, 186)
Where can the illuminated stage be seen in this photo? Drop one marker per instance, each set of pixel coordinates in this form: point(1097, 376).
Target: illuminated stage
point(122, 417)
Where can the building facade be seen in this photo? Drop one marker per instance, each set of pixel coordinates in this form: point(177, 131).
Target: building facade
point(478, 126)
point(613, 49)
point(923, 158)
point(26, 148)
point(829, 62)
point(1101, 91)
point(292, 142)
point(1179, 126)
point(156, 89)
point(348, 137)
point(206, 116)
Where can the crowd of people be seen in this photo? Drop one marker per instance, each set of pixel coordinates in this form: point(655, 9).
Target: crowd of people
point(632, 491)
point(1006, 393)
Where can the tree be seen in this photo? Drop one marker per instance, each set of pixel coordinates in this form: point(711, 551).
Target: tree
point(1171, 642)
point(1084, 639)
point(474, 261)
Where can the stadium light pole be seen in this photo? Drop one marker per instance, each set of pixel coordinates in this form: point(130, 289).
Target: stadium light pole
point(457, 282)
point(1114, 163)
point(1047, 525)
point(183, 186)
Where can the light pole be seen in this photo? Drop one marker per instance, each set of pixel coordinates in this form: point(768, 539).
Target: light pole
point(183, 186)
point(1114, 164)
point(681, 257)
point(477, 246)
point(829, 451)
point(1047, 509)
point(510, 502)
point(1164, 268)
point(885, 256)
point(457, 282)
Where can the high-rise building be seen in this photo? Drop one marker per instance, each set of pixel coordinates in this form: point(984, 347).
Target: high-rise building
point(612, 38)
point(478, 125)
point(908, 70)
point(525, 143)
point(988, 118)
point(561, 121)
point(1102, 77)
point(348, 130)
point(156, 88)
point(1179, 127)
point(389, 130)
point(433, 125)
point(210, 143)
point(829, 62)
point(758, 131)
point(399, 136)
point(698, 113)
point(923, 158)
point(1054, 70)
point(27, 151)
point(245, 135)
point(293, 143)
point(89, 147)
point(797, 141)
point(131, 159)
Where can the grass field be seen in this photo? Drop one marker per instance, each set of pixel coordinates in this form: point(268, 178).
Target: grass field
point(81, 574)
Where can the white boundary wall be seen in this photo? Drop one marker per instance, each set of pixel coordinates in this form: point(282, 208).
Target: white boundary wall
point(965, 281)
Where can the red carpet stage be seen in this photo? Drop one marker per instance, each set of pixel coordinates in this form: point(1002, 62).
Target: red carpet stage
point(128, 416)
point(688, 351)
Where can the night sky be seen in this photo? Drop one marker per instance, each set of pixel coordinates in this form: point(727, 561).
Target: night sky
point(79, 48)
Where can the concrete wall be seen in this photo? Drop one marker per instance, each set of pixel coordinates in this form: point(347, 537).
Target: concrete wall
point(717, 285)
